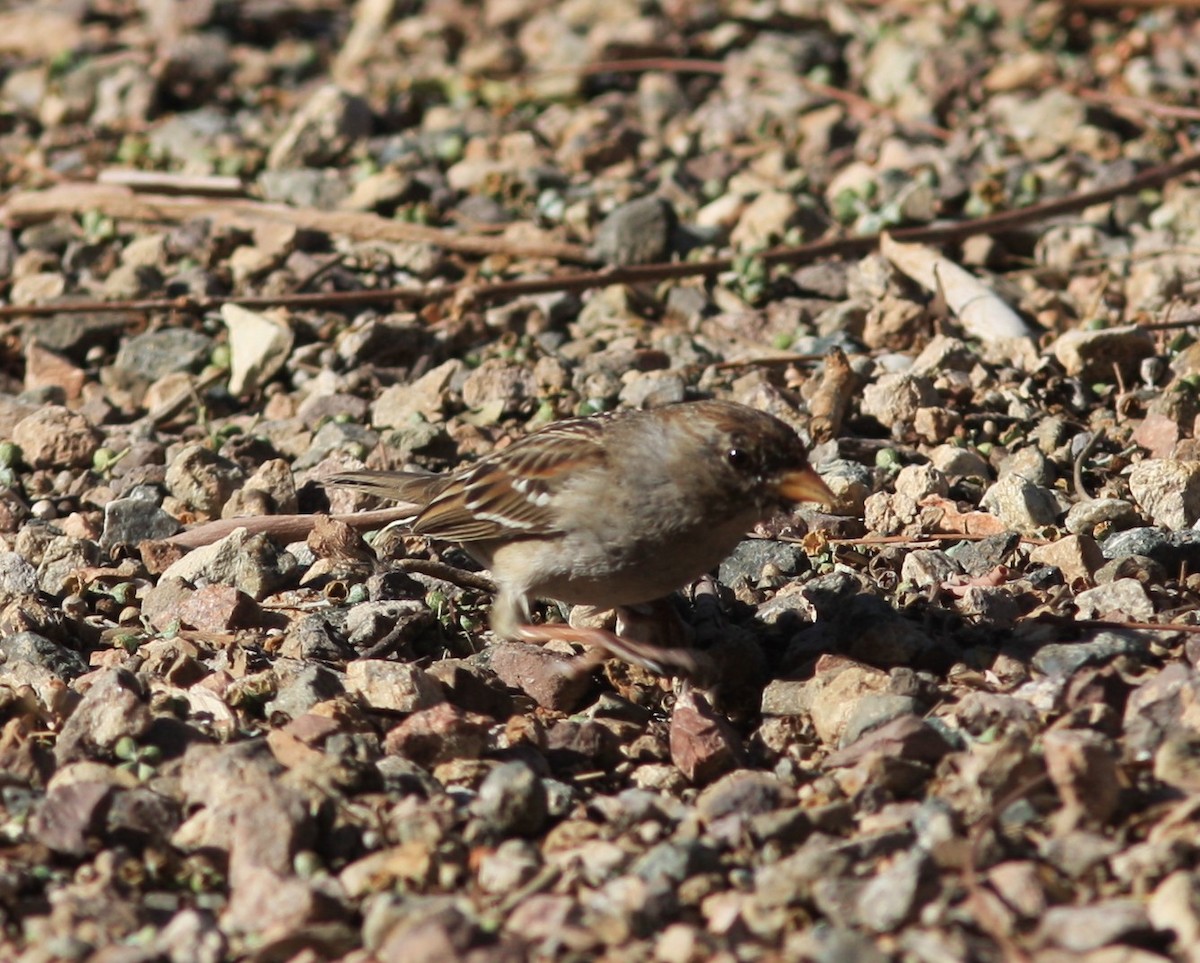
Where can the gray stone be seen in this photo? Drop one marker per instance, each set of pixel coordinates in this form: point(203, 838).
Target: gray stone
point(744, 791)
point(890, 898)
point(1022, 505)
point(873, 710)
point(303, 690)
point(675, 861)
point(638, 232)
point(1029, 463)
point(328, 123)
point(746, 562)
point(320, 188)
point(1083, 518)
point(926, 567)
point(893, 400)
point(39, 650)
point(17, 576)
point(128, 521)
point(391, 686)
point(1170, 549)
point(825, 943)
point(1063, 659)
point(248, 562)
point(1100, 924)
point(1123, 598)
point(202, 479)
point(651, 389)
point(512, 800)
point(1168, 491)
point(147, 357)
point(336, 436)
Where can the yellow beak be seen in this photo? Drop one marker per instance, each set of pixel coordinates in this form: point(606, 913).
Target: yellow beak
point(804, 486)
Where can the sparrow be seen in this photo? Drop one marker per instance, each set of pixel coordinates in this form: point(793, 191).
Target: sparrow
point(615, 511)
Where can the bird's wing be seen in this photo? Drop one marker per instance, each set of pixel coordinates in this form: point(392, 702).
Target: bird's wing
point(511, 493)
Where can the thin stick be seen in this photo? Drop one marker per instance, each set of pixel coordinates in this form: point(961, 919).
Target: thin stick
point(629, 275)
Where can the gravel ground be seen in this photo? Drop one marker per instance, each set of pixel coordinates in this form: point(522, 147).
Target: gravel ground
point(248, 245)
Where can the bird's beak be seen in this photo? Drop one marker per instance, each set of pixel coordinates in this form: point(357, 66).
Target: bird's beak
point(804, 485)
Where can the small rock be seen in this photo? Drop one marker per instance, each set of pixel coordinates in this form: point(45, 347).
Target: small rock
point(70, 815)
point(1169, 549)
point(1076, 556)
point(1083, 767)
point(581, 744)
point(744, 792)
point(260, 344)
point(1021, 505)
point(638, 232)
point(894, 399)
point(1063, 659)
point(1098, 924)
point(130, 521)
point(17, 576)
point(302, 690)
point(1173, 906)
point(113, 707)
point(1091, 354)
point(439, 734)
point(764, 221)
point(1167, 491)
point(508, 867)
point(398, 406)
point(1019, 884)
point(498, 387)
point(391, 686)
point(745, 564)
point(703, 744)
point(147, 357)
point(917, 481)
point(785, 697)
point(1177, 760)
point(56, 437)
point(219, 608)
point(202, 479)
point(512, 801)
point(926, 567)
point(192, 936)
point(874, 710)
point(1123, 598)
point(251, 563)
point(651, 389)
point(890, 898)
point(326, 125)
point(836, 687)
point(544, 676)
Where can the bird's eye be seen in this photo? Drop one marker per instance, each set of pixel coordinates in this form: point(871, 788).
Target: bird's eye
point(739, 458)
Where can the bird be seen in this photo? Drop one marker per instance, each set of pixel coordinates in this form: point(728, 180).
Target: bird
point(616, 510)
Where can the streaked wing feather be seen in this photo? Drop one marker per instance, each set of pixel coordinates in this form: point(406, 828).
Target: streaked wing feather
point(511, 492)
point(405, 486)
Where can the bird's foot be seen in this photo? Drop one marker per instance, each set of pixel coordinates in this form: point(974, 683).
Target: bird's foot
point(602, 643)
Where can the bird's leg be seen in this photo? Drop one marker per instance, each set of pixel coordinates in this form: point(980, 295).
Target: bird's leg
point(639, 639)
point(656, 658)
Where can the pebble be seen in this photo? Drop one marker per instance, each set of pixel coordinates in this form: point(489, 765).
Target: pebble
point(1064, 659)
point(512, 801)
point(1022, 505)
point(1167, 491)
point(637, 232)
